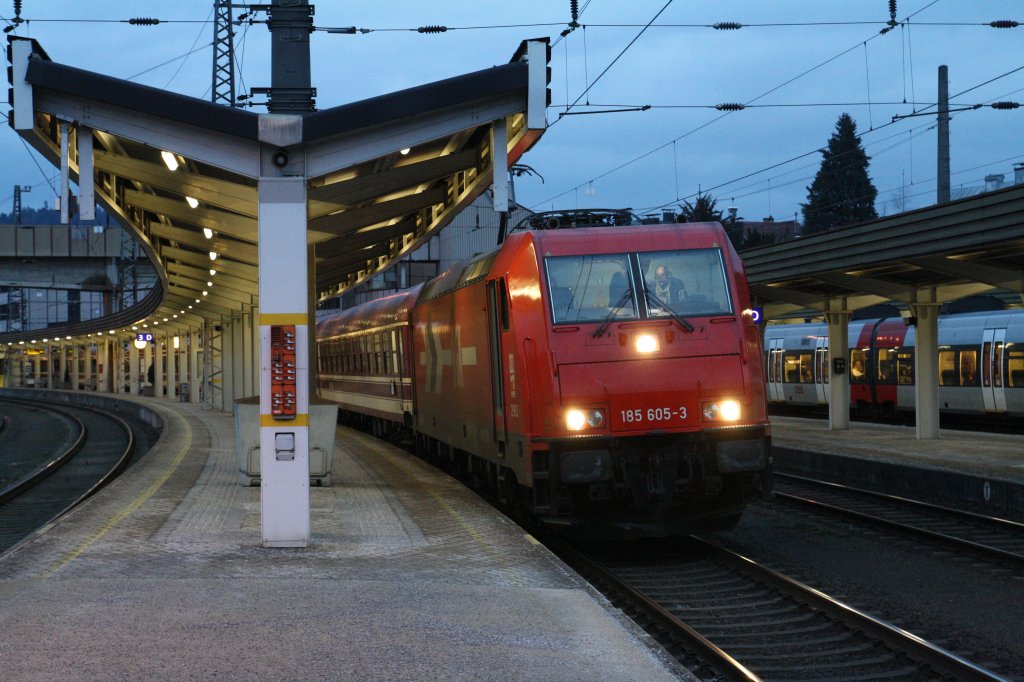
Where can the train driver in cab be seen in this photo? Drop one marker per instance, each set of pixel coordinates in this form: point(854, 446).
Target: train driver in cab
point(857, 371)
point(668, 288)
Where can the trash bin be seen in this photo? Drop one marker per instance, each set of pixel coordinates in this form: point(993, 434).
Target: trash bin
point(183, 393)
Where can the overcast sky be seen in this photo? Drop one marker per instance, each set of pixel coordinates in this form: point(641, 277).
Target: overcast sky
point(678, 66)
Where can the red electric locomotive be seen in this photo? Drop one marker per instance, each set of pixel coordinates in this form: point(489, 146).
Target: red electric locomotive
point(606, 378)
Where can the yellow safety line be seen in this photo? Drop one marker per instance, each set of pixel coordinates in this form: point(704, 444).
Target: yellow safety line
point(124, 513)
point(283, 318)
point(268, 420)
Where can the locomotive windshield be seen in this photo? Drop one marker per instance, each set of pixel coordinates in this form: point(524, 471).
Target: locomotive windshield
point(603, 287)
point(589, 288)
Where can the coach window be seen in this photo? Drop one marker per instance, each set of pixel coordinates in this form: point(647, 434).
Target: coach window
point(997, 364)
point(858, 366)
point(905, 367)
point(969, 368)
point(947, 368)
point(886, 371)
point(1015, 368)
point(792, 369)
point(503, 304)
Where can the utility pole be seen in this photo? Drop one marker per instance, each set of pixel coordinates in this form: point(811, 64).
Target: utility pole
point(942, 189)
point(291, 91)
point(223, 54)
point(16, 211)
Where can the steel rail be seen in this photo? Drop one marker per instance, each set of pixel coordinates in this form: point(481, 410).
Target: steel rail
point(1004, 524)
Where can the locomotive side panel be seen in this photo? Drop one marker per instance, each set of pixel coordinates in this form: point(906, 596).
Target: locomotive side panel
point(453, 370)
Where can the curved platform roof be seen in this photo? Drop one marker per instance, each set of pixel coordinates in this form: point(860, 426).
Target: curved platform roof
point(383, 174)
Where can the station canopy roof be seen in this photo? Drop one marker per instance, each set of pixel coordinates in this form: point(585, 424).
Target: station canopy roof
point(384, 174)
point(939, 253)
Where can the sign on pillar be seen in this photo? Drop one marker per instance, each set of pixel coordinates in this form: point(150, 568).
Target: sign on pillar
point(284, 362)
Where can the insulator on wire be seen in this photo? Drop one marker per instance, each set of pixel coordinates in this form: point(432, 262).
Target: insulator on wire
point(574, 8)
point(1005, 105)
point(892, 9)
point(143, 21)
point(432, 29)
point(1004, 23)
point(730, 106)
point(727, 26)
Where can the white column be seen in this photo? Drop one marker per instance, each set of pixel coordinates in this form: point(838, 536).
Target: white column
point(284, 443)
point(133, 369)
point(926, 364)
point(172, 374)
point(147, 362)
point(838, 344)
point(87, 370)
point(195, 368)
point(37, 362)
point(76, 359)
point(158, 364)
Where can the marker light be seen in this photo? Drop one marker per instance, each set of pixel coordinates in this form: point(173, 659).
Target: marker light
point(722, 411)
point(575, 419)
point(646, 343)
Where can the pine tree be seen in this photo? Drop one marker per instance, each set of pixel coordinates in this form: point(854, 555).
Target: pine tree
point(842, 192)
point(700, 211)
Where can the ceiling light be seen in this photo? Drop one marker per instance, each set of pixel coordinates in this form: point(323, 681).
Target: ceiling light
point(209, 284)
point(170, 160)
point(213, 255)
point(207, 232)
point(205, 293)
point(192, 202)
point(404, 151)
point(212, 272)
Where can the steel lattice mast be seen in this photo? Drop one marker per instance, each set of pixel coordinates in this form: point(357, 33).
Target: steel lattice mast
point(223, 54)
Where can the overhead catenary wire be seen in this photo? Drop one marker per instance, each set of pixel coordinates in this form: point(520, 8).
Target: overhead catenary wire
point(749, 103)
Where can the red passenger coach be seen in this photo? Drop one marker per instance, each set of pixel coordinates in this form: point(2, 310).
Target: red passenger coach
point(606, 378)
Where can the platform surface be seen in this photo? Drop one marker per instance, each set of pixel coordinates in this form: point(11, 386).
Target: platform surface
point(975, 468)
point(409, 576)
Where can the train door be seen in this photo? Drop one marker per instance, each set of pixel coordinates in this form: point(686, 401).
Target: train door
point(821, 373)
point(993, 343)
point(775, 393)
point(497, 306)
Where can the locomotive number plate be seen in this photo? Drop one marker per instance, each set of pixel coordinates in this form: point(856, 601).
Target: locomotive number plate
point(651, 416)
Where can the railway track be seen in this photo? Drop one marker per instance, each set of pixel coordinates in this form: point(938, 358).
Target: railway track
point(998, 539)
point(100, 446)
point(727, 617)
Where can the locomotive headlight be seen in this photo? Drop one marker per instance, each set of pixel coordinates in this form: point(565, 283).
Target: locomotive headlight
point(722, 411)
point(578, 420)
point(646, 343)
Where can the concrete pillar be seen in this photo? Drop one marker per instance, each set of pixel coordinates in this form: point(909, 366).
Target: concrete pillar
point(172, 373)
point(147, 362)
point(195, 368)
point(158, 364)
point(76, 364)
point(284, 443)
point(926, 364)
point(839, 382)
point(87, 369)
point(133, 369)
point(37, 371)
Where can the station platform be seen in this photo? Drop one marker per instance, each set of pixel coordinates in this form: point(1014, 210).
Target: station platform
point(408, 576)
point(981, 472)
